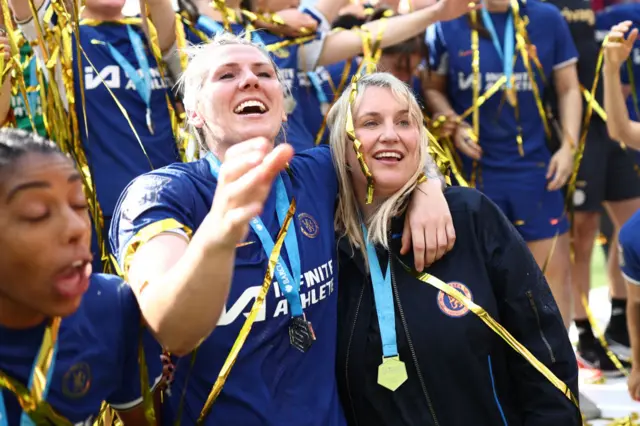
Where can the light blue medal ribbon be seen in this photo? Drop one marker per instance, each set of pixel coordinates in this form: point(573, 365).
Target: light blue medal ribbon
point(142, 82)
point(316, 82)
point(392, 372)
point(25, 420)
point(506, 52)
point(289, 282)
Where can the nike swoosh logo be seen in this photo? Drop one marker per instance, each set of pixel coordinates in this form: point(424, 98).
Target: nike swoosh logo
point(246, 243)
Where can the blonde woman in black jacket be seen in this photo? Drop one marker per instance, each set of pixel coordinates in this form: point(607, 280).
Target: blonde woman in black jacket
point(409, 354)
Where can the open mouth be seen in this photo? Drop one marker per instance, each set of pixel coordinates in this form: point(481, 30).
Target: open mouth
point(388, 156)
point(251, 107)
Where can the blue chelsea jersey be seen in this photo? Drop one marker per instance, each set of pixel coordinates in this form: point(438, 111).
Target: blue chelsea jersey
point(450, 54)
point(113, 152)
point(97, 357)
point(115, 155)
point(271, 383)
point(606, 19)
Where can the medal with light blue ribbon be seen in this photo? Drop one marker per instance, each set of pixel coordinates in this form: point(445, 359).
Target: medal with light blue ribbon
point(392, 373)
point(141, 80)
point(505, 51)
point(301, 334)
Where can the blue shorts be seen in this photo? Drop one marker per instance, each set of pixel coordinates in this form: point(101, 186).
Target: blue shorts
point(629, 246)
point(523, 197)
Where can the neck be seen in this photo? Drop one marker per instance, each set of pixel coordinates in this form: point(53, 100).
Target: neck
point(100, 15)
point(497, 8)
point(367, 210)
point(17, 316)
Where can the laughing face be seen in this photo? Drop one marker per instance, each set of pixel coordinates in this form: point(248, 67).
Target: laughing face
point(390, 139)
point(241, 98)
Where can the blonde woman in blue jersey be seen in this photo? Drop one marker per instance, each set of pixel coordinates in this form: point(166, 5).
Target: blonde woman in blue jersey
point(196, 270)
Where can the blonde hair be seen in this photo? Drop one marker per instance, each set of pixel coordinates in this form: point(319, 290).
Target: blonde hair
point(193, 78)
point(348, 218)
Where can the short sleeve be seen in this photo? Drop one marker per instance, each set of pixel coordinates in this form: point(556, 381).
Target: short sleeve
point(323, 24)
point(438, 54)
point(153, 203)
point(127, 393)
point(629, 247)
point(565, 52)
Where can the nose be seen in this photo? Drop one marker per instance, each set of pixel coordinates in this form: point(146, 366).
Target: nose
point(77, 226)
point(249, 80)
point(389, 133)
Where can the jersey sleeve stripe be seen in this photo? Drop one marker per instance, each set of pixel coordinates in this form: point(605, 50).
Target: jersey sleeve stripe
point(144, 235)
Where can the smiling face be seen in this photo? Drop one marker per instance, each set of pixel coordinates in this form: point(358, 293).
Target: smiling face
point(45, 235)
point(390, 140)
point(241, 98)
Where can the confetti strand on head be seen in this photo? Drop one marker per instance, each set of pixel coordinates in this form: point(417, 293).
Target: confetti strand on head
point(357, 145)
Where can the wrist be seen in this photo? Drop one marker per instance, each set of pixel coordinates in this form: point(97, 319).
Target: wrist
point(610, 69)
point(431, 185)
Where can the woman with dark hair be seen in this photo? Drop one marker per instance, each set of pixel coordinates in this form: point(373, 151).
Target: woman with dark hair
point(68, 338)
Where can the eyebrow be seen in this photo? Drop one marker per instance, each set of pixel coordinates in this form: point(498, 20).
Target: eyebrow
point(377, 114)
point(237, 65)
point(75, 177)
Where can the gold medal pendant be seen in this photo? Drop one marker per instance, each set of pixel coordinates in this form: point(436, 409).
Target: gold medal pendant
point(392, 373)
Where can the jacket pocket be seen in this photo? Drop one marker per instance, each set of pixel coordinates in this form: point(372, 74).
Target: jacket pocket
point(495, 392)
point(534, 308)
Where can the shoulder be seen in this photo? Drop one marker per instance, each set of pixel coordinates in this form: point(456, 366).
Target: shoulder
point(317, 159)
point(538, 10)
point(106, 294)
point(176, 182)
point(461, 199)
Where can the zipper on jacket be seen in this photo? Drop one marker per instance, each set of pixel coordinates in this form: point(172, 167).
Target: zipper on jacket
point(346, 366)
point(413, 352)
point(544, 338)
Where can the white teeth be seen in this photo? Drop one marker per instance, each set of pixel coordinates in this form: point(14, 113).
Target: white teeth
point(247, 104)
point(77, 263)
point(388, 154)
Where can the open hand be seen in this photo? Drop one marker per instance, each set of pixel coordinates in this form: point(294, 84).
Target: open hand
point(244, 182)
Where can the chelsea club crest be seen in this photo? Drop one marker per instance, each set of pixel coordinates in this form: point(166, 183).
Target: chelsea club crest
point(308, 225)
point(76, 382)
point(450, 306)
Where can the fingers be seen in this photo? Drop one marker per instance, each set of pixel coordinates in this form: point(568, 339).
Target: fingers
point(632, 37)
point(441, 243)
point(451, 235)
point(468, 147)
point(551, 171)
point(419, 245)
point(406, 238)
point(431, 247)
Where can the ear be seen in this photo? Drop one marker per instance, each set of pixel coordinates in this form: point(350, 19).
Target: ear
point(195, 119)
point(284, 117)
